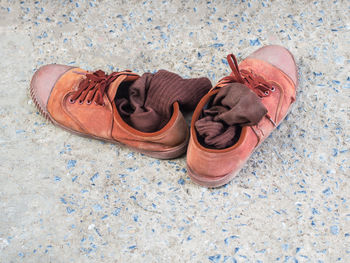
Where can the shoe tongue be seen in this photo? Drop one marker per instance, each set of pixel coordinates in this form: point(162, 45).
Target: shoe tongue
point(234, 106)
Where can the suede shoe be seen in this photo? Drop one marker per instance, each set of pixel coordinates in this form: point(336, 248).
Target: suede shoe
point(85, 103)
point(271, 73)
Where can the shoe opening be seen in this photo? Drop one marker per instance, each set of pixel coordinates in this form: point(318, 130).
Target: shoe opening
point(233, 107)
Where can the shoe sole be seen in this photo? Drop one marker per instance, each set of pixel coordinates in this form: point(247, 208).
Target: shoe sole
point(210, 182)
point(168, 154)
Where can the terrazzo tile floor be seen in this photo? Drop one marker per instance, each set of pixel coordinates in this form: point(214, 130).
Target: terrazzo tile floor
point(65, 198)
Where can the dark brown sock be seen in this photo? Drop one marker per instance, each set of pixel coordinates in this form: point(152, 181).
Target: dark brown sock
point(234, 106)
point(148, 106)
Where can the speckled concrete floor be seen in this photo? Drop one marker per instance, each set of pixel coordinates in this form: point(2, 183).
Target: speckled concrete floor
point(64, 198)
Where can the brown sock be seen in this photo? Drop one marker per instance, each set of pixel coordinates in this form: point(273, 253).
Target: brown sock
point(234, 106)
point(148, 106)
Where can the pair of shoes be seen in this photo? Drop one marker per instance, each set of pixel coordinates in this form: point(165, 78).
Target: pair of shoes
point(88, 103)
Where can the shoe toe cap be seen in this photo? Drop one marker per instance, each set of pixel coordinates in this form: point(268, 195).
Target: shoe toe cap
point(43, 81)
point(279, 57)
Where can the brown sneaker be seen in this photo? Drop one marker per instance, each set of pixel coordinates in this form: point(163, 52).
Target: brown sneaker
point(86, 103)
point(239, 113)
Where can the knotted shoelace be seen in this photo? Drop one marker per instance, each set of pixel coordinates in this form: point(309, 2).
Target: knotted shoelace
point(94, 86)
point(255, 82)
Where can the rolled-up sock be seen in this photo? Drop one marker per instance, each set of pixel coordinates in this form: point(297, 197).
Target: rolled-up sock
point(234, 106)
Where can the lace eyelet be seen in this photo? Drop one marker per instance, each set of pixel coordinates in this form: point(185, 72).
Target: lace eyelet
point(273, 89)
point(266, 93)
point(71, 101)
point(81, 102)
point(88, 102)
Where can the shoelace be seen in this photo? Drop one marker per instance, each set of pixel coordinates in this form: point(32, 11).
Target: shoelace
point(94, 86)
point(256, 83)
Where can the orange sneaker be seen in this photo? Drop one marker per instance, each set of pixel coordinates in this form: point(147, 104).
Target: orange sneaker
point(271, 73)
point(85, 103)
